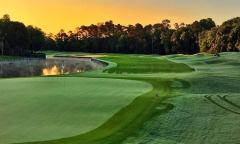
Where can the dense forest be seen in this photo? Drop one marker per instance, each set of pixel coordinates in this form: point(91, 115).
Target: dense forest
point(159, 38)
point(17, 39)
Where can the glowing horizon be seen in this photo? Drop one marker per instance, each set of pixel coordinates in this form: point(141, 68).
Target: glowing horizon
point(51, 16)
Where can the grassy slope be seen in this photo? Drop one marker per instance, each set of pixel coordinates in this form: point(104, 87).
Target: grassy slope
point(146, 64)
point(182, 107)
point(34, 109)
point(128, 120)
point(206, 112)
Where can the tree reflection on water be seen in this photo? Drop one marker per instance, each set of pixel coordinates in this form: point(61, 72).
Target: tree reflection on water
point(53, 66)
point(56, 70)
point(51, 71)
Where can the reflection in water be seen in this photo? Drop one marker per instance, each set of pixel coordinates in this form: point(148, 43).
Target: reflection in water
point(53, 66)
point(51, 71)
point(56, 70)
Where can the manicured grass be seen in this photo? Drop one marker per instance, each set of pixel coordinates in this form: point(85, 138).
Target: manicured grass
point(144, 64)
point(126, 121)
point(205, 112)
point(37, 109)
point(129, 119)
point(184, 106)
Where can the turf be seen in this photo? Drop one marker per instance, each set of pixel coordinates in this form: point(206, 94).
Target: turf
point(195, 99)
point(37, 109)
point(126, 121)
point(205, 112)
point(144, 64)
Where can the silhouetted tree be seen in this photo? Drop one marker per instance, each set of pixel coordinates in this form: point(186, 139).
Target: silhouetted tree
point(49, 43)
point(36, 38)
point(107, 37)
point(15, 36)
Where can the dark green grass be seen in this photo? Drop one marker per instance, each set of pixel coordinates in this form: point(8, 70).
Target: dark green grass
point(34, 109)
point(131, 118)
point(144, 64)
point(194, 118)
point(206, 111)
point(175, 111)
point(7, 58)
point(127, 120)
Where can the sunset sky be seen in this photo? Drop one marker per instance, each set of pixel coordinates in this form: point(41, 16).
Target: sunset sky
point(52, 15)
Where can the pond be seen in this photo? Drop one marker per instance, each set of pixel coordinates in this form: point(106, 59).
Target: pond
point(46, 67)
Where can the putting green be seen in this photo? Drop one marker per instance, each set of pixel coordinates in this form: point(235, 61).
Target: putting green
point(37, 109)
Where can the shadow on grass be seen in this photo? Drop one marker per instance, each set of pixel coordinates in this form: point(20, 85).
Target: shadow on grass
point(164, 108)
point(210, 98)
point(224, 98)
point(184, 84)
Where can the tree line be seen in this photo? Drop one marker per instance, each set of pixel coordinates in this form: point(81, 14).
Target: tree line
point(107, 37)
point(160, 38)
point(18, 39)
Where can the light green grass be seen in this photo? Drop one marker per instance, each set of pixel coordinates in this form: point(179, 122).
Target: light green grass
point(205, 112)
point(183, 106)
point(129, 119)
point(37, 109)
point(144, 64)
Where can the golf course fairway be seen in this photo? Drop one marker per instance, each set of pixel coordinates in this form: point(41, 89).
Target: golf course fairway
point(136, 99)
point(37, 109)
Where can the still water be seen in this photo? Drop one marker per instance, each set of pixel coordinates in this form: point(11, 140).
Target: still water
point(45, 67)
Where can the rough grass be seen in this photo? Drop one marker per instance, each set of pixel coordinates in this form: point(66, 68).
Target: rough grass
point(206, 112)
point(37, 109)
point(184, 106)
point(132, 117)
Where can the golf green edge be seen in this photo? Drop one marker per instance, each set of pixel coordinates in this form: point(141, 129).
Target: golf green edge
point(130, 118)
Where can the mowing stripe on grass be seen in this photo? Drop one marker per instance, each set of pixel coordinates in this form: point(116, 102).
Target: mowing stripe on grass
point(37, 109)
